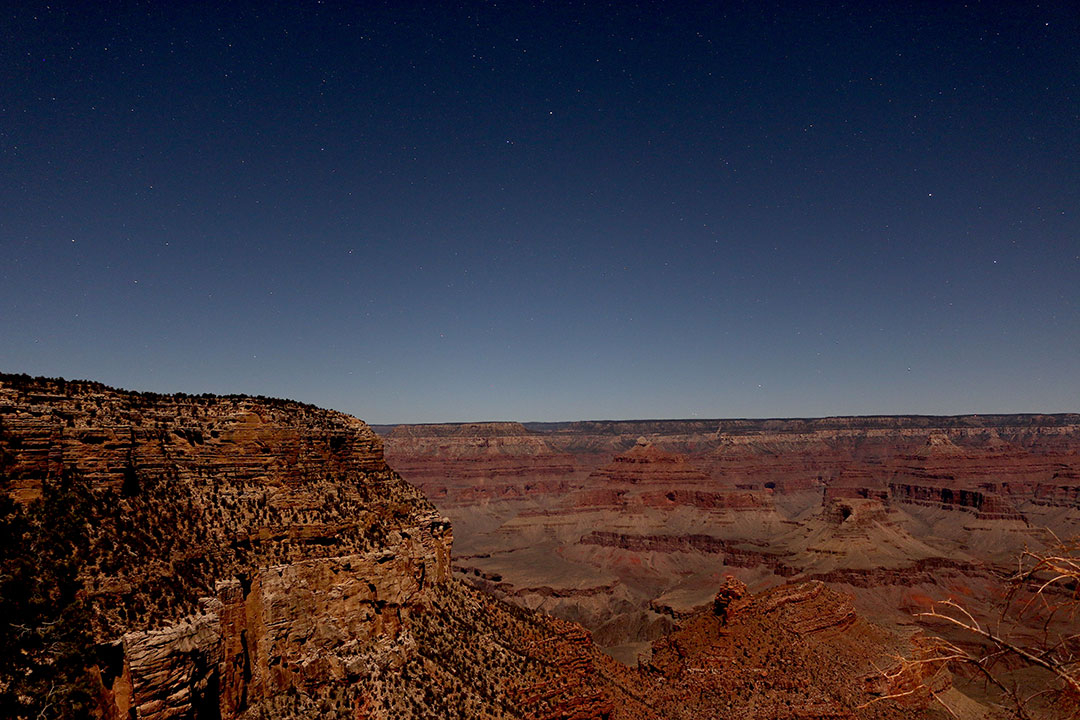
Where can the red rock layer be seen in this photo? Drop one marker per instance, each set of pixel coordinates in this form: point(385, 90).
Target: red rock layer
point(473, 462)
point(771, 655)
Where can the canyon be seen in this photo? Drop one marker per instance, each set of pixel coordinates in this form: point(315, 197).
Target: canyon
point(180, 556)
point(628, 527)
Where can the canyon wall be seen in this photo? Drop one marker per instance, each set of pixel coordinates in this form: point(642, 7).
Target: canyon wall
point(236, 548)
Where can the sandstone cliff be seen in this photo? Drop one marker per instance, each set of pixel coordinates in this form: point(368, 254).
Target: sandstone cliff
point(237, 548)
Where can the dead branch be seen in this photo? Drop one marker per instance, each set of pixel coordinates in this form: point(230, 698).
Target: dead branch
point(972, 626)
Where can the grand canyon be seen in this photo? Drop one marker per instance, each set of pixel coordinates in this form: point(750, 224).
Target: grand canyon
point(244, 557)
point(539, 360)
point(627, 527)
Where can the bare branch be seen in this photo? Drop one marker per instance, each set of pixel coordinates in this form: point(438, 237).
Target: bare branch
point(1001, 642)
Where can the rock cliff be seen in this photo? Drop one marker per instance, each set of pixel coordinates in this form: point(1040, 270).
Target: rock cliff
point(238, 557)
point(236, 548)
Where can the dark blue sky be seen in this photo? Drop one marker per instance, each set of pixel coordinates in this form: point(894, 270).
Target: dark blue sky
point(546, 211)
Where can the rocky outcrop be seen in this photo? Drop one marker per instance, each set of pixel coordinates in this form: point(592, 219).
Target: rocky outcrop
point(808, 608)
point(984, 505)
point(770, 655)
point(237, 548)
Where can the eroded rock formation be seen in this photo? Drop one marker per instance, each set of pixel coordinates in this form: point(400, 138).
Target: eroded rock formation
point(237, 548)
point(648, 515)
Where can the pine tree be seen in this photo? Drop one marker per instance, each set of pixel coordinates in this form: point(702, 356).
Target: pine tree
point(45, 642)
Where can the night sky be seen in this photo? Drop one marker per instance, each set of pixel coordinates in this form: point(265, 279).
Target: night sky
point(547, 211)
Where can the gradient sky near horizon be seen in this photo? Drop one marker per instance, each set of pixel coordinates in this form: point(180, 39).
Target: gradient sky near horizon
point(547, 210)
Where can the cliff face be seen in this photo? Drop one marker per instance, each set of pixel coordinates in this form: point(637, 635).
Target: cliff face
point(236, 548)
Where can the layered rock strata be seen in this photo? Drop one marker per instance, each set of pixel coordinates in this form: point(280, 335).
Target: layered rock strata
point(650, 513)
point(237, 548)
point(244, 557)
